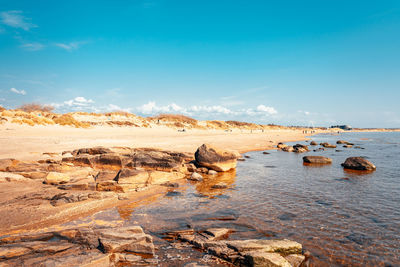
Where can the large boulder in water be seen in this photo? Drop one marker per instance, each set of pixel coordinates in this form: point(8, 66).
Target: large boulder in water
point(358, 163)
point(215, 158)
point(317, 160)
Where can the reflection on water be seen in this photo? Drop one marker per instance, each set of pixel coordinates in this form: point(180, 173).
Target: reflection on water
point(207, 187)
point(342, 217)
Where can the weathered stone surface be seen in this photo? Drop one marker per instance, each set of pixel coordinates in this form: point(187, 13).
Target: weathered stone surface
point(11, 177)
point(317, 160)
point(358, 163)
point(5, 163)
point(195, 177)
point(215, 158)
point(152, 159)
point(266, 259)
point(107, 161)
point(129, 176)
point(126, 239)
point(217, 233)
point(160, 177)
point(295, 260)
point(106, 176)
point(56, 178)
point(282, 253)
point(79, 247)
point(92, 151)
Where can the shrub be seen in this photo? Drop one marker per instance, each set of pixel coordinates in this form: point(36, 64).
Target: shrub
point(36, 107)
point(175, 118)
point(67, 119)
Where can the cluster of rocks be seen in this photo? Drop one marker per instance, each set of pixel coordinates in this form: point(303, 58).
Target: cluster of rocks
point(119, 169)
point(90, 247)
point(298, 148)
point(254, 252)
point(352, 163)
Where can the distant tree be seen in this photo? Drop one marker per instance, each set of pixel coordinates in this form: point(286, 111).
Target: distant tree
point(30, 107)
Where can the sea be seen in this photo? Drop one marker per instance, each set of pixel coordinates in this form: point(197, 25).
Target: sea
point(341, 217)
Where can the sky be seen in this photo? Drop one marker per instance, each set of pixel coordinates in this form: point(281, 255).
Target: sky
point(311, 63)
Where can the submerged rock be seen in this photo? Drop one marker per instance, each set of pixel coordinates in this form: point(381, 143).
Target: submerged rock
point(215, 158)
point(313, 143)
point(299, 148)
point(358, 163)
point(317, 160)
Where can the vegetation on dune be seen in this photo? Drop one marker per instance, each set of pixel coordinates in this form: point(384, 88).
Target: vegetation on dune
point(68, 119)
point(2, 109)
point(31, 107)
point(174, 118)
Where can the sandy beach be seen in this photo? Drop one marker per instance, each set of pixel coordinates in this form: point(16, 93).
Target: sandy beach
point(30, 142)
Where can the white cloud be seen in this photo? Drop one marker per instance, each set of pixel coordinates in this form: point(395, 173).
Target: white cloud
point(152, 108)
point(268, 110)
point(32, 46)
point(19, 92)
point(15, 19)
point(70, 46)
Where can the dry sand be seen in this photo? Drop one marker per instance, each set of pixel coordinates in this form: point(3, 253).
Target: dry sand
point(29, 142)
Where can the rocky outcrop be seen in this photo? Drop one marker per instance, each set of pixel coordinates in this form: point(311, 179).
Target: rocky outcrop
point(123, 246)
point(215, 158)
point(317, 160)
point(358, 163)
point(254, 252)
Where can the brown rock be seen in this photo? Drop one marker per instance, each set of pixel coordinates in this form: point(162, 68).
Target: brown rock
point(214, 158)
point(261, 258)
point(107, 161)
point(5, 163)
point(152, 159)
point(91, 151)
point(327, 145)
point(317, 160)
point(358, 163)
point(313, 143)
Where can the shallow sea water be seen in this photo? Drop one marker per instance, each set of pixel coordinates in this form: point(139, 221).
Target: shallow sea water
point(343, 218)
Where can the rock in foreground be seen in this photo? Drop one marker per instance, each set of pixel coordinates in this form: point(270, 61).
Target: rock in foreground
point(253, 252)
point(358, 163)
point(215, 158)
point(317, 160)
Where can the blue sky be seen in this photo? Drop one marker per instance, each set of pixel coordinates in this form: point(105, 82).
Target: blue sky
point(285, 62)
